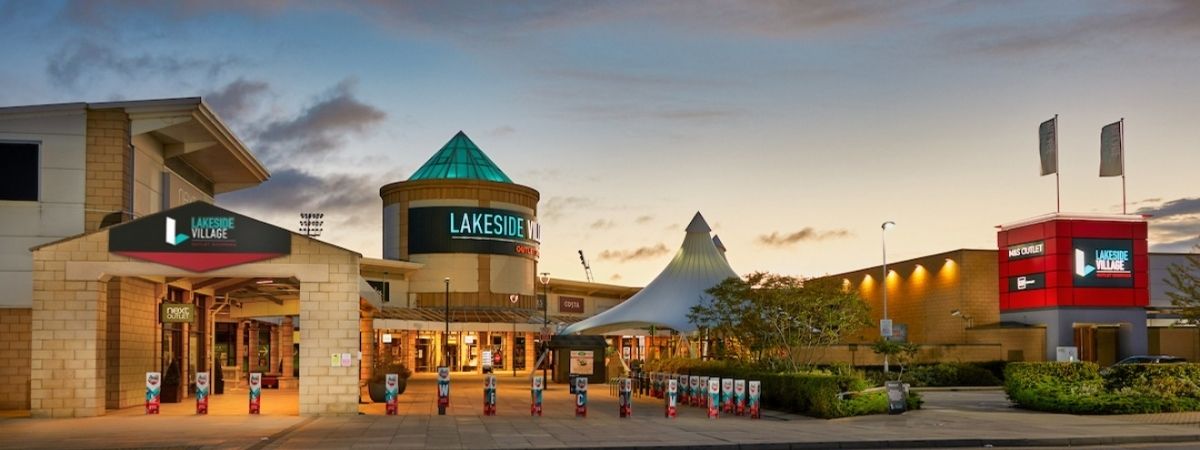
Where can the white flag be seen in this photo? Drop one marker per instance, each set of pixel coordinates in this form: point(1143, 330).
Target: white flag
point(1112, 158)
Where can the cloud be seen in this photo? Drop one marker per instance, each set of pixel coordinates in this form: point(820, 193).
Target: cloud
point(642, 220)
point(635, 254)
point(602, 224)
point(1174, 224)
point(1173, 208)
point(321, 128)
point(615, 277)
point(237, 98)
point(555, 208)
point(79, 61)
point(807, 234)
point(297, 190)
point(501, 131)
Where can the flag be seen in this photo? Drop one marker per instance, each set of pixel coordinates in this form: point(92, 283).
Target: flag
point(1048, 145)
point(1112, 157)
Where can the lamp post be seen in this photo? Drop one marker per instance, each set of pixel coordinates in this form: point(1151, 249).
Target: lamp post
point(883, 238)
point(545, 279)
point(446, 337)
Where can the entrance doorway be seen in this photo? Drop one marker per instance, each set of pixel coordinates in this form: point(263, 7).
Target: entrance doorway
point(1098, 343)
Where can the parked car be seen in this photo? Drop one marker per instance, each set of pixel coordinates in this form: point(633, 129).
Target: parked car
point(1151, 359)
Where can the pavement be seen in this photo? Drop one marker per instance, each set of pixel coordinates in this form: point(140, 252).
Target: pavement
point(951, 419)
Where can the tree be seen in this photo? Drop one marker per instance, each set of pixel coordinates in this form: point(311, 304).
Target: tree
point(781, 321)
point(900, 352)
point(1185, 280)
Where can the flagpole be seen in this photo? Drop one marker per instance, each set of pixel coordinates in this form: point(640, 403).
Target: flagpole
point(1123, 210)
point(1057, 185)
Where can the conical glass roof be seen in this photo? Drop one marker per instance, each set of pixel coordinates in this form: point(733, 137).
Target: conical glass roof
point(460, 159)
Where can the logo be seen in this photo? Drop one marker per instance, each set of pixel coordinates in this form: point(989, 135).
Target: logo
point(1026, 250)
point(172, 237)
point(1109, 264)
point(1103, 262)
point(1027, 282)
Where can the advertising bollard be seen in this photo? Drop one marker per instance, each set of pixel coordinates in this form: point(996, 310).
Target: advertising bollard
point(703, 392)
point(625, 398)
point(739, 397)
point(896, 393)
point(754, 400)
point(443, 389)
point(581, 397)
point(684, 393)
point(672, 397)
point(255, 392)
point(727, 395)
point(535, 392)
point(714, 398)
point(153, 390)
point(694, 389)
point(201, 392)
point(489, 395)
point(391, 386)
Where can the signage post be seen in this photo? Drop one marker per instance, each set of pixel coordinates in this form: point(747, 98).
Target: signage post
point(694, 390)
point(443, 383)
point(581, 396)
point(739, 397)
point(727, 395)
point(202, 393)
point(754, 389)
point(489, 395)
point(625, 398)
point(714, 398)
point(672, 397)
point(535, 392)
point(391, 391)
point(255, 392)
point(153, 390)
point(703, 391)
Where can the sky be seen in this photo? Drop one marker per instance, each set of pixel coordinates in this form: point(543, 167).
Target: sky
point(795, 128)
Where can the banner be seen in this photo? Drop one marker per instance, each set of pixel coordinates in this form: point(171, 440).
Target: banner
point(739, 397)
point(443, 384)
point(754, 391)
point(201, 392)
point(694, 390)
point(625, 398)
point(581, 397)
point(535, 394)
point(682, 381)
point(1112, 157)
point(727, 395)
point(255, 392)
point(489, 395)
point(1048, 145)
point(153, 391)
point(714, 397)
point(703, 391)
point(672, 397)
point(391, 392)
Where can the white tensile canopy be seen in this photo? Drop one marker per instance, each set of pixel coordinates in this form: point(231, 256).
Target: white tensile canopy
point(666, 301)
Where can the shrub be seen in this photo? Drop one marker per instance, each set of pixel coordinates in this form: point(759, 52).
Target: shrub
point(950, 374)
point(1081, 388)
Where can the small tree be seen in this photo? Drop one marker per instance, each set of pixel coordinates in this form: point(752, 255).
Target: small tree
point(1185, 280)
point(902, 353)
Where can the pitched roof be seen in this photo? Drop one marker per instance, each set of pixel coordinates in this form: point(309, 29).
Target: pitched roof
point(666, 301)
point(460, 159)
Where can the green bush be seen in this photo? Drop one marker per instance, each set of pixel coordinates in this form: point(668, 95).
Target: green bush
point(943, 375)
point(876, 402)
point(1082, 388)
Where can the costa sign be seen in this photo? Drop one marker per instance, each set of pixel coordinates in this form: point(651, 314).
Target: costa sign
point(446, 229)
point(199, 237)
point(570, 305)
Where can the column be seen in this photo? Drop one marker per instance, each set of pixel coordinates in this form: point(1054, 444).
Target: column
point(239, 351)
point(410, 349)
point(510, 350)
point(285, 343)
point(366, 345)
point(484, 343)
point(273, 361)
point(530, 352)
point(252, 350)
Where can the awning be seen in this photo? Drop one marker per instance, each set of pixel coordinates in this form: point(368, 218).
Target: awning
point(474, 319)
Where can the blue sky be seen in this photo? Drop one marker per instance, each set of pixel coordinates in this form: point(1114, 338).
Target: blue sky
point(796, 128)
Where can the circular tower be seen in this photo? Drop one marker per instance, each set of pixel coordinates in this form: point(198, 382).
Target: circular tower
point(466, 221)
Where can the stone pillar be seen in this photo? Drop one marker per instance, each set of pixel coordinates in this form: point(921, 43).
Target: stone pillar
point(239, 347)
point(68, 328)
point(484, 342)
point(530, 352)
point(329, 310)
point(366, 340)
point(276, 350)
point(410, 349)
point(510, 350)
point(285, 344)
point(252, 364)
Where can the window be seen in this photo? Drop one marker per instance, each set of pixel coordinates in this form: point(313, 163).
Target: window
point(382, 288)
point(19, 171)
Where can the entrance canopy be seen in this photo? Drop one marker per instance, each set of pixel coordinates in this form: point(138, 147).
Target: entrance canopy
point(666, 301)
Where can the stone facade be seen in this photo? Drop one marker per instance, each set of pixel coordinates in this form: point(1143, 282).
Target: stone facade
point(133, 334)
point(108, 183)
point(14, 357)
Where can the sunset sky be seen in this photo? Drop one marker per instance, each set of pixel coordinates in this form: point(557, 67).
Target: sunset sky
point(796, 128)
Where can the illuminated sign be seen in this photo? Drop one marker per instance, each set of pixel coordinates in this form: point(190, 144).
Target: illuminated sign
point(1027, 282)
point(570, 305)
point(1103, 262)
point(444, 229)
point(177, 312)
point(199, 237)
point(1026, 250)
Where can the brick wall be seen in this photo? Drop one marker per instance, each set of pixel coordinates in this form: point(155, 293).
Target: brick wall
point(863, 356)
point(14, 358)
point(329, 314)
point(133, 335)
point(1016, 344)
point(109, 179)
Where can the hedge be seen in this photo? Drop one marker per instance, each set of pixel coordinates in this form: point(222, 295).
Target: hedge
point(943, 375)
point(1082, 388)
point(815, 394)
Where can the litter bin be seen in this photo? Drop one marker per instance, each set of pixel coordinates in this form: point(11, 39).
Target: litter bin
point(897, 394)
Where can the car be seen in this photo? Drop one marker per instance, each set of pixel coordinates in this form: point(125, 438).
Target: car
point(1151, 359)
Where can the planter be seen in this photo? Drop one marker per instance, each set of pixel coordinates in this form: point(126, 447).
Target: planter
point(378, 391)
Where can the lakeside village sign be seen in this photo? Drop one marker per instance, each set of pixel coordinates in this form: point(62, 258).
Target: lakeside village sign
point(199, 237)
point(447, 229)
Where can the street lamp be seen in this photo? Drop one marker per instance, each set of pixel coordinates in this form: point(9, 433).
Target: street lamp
point(446, 337)
point(545, 279)
point(883, 238)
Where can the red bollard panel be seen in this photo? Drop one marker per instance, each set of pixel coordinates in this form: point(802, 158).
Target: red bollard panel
point(703, 392)
point(443, 384)
point(694, 390)
point(727, 395)
point(581, 397)
point(391, 391)
point(714, 398)
point(153, 391)
point(672, 397)
point(535, 392)
point(489, 395)
point(754, 392)
point(255, 392)
point(739, 397)
point(202, 393)
point(625, 398)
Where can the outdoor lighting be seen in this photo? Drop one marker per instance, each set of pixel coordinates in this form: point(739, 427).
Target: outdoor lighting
point(266, 281)
point(966, 318)
point(545, 279)
point(883, 239)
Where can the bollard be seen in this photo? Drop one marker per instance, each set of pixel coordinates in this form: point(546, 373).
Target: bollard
point(202, 393)
point(754, 391)
point(739, 397)
point(255, 392)
point(694, 389)
point(703, 391)
point(391, 391)
point(727, 395)
point(625, 397)
point(535, 392)
point(581, 384)
point(672, 397)
point(489, 395)
point(714, 398)
point(684, 394)
point(443, 383)
point(153, 390)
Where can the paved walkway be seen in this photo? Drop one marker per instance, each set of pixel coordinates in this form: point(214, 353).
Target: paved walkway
point(952, 419)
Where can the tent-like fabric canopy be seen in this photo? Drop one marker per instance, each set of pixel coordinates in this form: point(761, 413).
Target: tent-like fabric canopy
point(666, 301)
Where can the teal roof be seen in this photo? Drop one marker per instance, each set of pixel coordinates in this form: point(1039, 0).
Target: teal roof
point(460, 159)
